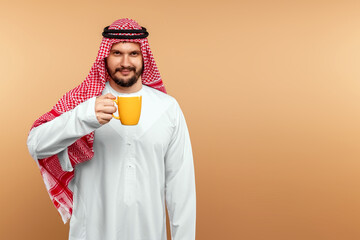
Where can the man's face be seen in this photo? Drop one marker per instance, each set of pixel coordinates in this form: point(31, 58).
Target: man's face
point(125, 63)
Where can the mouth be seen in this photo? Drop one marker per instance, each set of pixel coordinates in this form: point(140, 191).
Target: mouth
point(124, 71)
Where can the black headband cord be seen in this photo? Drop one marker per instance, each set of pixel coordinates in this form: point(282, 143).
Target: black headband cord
point(109, 33)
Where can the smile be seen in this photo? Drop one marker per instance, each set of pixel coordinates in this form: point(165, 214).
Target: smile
point(125, 72)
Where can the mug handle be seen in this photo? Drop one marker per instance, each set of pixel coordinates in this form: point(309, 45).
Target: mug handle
point(117, 106)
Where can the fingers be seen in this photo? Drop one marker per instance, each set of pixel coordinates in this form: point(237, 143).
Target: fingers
point(108, 96)
point(104, 108)
point(107, 102)
point(103, 118)
point(107, 99)
point(109, 109)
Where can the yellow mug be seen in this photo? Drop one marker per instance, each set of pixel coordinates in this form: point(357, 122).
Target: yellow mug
point(129, 109)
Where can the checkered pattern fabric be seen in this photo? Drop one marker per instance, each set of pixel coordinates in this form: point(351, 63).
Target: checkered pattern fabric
point(56, 180)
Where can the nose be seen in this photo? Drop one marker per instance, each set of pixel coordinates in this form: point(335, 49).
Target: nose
point(125, 61)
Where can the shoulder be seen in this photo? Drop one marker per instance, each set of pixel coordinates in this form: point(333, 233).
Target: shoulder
point(162, 104)
point(160, 98)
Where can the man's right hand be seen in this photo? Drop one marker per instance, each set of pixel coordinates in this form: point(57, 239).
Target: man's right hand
point(104, 108)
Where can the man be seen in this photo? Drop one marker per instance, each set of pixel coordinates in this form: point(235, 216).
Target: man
point(113, 180)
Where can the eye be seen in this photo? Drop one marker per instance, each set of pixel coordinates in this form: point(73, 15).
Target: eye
point(116, 53)
point(134, 54)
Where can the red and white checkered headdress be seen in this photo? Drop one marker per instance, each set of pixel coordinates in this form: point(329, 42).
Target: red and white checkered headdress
point(57, 180)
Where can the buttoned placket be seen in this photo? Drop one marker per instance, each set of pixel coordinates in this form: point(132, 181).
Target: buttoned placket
point(130, 167)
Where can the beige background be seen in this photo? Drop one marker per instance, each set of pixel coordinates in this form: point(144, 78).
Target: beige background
point(270, 91)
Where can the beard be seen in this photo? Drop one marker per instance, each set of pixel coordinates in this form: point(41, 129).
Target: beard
point(122, 82)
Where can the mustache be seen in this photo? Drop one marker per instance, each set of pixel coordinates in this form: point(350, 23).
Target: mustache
point(125, 68)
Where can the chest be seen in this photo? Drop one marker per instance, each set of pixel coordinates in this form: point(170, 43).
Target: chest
point(152, 133)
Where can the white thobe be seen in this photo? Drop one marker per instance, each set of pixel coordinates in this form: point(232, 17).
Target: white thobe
point(120, 193)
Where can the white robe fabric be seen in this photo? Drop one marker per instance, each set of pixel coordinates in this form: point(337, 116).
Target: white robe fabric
point(120, 193)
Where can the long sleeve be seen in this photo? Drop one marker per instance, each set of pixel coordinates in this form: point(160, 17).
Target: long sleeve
point(180, 183)
point(55, 136)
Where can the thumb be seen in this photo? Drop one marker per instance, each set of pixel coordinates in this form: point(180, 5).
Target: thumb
point(109, 96)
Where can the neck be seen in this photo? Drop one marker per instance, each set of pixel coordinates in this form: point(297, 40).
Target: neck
point(134, 88)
